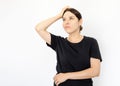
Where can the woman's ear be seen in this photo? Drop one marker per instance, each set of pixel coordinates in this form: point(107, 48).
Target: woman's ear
point(80, 22)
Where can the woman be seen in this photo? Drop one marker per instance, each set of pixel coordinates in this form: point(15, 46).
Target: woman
point(78, 56)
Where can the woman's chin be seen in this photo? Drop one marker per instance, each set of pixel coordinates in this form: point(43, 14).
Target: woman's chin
point(69, 31)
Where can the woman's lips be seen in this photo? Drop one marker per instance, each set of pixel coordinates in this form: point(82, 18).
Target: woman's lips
point(67, 26)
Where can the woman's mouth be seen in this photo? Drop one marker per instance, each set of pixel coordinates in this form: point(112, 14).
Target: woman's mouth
point(67, 26)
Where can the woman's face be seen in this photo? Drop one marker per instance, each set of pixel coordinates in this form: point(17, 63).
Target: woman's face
point(70, 22)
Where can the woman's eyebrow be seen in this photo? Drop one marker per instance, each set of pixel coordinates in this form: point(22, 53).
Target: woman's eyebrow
point(72, 16)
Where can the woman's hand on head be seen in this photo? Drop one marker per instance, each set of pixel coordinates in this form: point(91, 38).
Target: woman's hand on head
point(62, 11)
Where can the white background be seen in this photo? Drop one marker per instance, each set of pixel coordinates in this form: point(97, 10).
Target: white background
point(25, 60)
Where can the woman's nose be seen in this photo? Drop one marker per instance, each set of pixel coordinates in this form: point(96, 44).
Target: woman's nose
point(67, 22)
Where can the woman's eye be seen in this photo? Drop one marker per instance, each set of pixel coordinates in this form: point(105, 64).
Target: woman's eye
point(63, 19)
point(71, 18)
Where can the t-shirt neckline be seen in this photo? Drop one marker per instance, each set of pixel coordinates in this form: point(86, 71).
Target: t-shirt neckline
point(76, 42)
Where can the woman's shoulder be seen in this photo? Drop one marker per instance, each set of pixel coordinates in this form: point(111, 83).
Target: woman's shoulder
point(90, 39)
point(57, 37)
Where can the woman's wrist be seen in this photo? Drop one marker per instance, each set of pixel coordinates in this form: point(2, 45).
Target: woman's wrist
point(68, 75)
point(59, 16)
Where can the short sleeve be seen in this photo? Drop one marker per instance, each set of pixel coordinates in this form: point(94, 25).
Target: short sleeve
point(94, 50)
point(54, 41)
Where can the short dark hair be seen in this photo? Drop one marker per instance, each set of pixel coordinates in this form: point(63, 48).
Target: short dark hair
point(76, 13)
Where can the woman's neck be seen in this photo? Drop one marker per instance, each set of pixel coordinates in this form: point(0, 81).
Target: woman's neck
point(75, 37)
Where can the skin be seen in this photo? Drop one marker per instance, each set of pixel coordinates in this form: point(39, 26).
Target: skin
point(71, 25)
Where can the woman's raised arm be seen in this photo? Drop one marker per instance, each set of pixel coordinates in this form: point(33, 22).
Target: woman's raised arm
point(41, 27)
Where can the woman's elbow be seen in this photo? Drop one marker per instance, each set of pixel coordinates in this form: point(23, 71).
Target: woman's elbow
point(96, 74)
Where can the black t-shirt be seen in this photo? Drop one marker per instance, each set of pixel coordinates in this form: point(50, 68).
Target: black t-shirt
point(73, 57)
